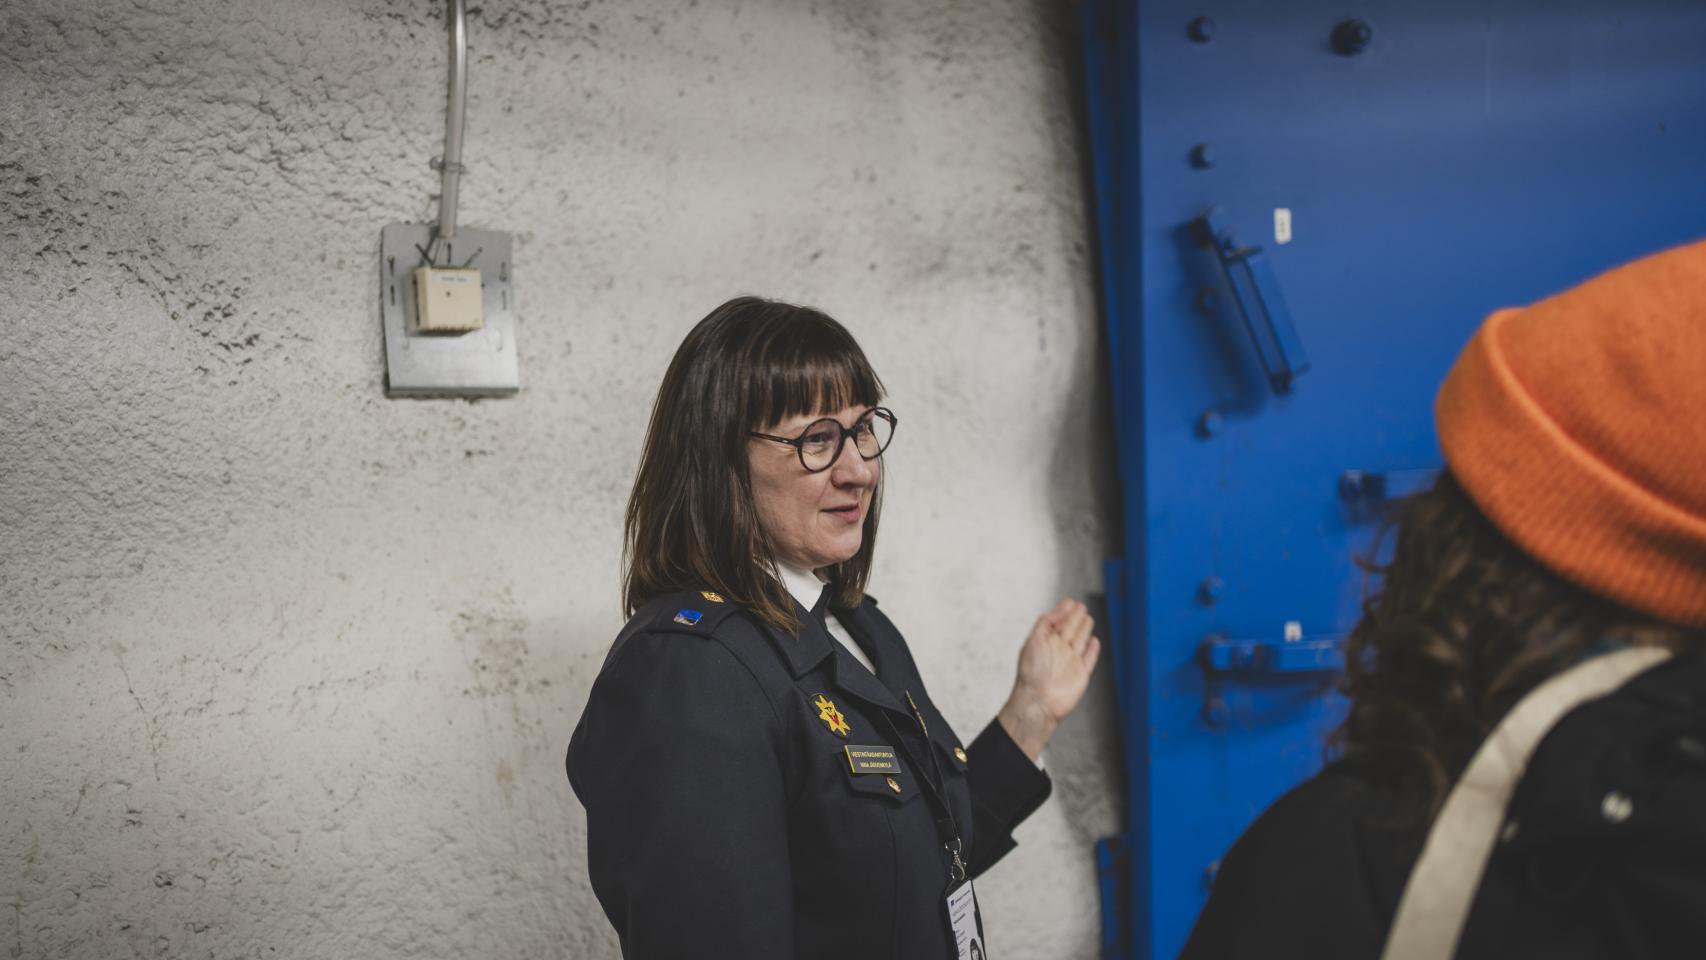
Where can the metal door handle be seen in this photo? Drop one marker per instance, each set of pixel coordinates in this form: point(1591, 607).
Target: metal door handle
point(1256, 294)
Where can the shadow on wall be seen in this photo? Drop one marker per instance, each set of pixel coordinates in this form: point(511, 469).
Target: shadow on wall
point(1086, 757)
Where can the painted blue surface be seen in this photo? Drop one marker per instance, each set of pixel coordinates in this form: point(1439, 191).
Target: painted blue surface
point(1113, 870)
point(1474, 155)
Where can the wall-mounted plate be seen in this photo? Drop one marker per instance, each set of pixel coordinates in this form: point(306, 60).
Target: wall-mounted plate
point(480, 363)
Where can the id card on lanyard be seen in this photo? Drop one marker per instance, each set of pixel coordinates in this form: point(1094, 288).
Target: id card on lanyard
point(966, 922)
point(960, 902)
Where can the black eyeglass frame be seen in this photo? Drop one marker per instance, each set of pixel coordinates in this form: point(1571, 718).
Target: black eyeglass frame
point(799, 442)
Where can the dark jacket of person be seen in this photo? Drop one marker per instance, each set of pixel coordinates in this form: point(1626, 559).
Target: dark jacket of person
point(725, 817)
point(1603, 852)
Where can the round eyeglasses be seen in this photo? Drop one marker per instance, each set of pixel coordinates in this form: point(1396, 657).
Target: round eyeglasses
point(820, 443)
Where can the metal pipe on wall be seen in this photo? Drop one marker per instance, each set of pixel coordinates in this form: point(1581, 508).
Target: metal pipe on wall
point(451, 165)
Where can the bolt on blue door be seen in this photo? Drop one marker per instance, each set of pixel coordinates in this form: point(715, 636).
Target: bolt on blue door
point(1304, 210)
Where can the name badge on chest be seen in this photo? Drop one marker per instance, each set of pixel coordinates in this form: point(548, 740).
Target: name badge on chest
point(866, 758)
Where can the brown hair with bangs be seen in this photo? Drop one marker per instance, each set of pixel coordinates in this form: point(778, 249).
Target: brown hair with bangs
point(692, 523)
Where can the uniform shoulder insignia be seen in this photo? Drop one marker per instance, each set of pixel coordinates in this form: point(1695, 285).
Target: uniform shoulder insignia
point(688, 611)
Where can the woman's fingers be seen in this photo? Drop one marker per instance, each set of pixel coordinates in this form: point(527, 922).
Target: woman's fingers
point(1069, 627)
point(1077, 629)
point(1056, 618)
point(1064, 612)
point(1090, 651)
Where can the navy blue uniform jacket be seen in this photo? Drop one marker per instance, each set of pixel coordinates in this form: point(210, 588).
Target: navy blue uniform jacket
point(723, 815)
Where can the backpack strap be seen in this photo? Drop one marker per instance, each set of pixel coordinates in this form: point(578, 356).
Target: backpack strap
point(1442, 887)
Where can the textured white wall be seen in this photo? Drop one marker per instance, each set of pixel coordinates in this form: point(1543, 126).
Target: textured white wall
point(289, 668)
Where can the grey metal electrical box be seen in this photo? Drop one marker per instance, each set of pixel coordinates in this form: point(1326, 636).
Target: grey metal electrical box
point(476, 363)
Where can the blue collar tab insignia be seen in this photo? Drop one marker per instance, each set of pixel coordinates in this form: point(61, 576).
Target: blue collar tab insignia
point(687, 617)
point(831, 717)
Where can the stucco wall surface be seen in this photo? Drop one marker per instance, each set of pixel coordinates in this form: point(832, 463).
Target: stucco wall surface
point(288, 668)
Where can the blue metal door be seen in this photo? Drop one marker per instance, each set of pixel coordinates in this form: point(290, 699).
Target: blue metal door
point(1304, 209)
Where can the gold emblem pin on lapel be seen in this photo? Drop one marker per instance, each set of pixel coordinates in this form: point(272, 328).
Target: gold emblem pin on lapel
point(960, 754)
point(893, 784)
point(713, 597)
point(830, 716)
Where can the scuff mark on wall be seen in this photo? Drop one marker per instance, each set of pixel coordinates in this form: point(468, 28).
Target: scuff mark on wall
point(499, 642)
point(149, 726)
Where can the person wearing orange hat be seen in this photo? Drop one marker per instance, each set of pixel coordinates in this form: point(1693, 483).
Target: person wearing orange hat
point(1522, 771)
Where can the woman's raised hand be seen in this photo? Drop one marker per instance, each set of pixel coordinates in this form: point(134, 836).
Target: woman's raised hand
point(1054, 670)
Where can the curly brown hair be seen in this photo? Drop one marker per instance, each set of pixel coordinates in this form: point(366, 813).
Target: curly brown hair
point(1462, 625)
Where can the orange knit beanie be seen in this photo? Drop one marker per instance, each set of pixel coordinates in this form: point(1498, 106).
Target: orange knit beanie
point(1578, 426)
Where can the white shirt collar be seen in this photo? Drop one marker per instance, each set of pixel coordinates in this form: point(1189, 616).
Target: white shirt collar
point(803, 585)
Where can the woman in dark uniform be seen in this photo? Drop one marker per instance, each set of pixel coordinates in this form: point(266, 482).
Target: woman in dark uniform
point(763, 771)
